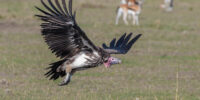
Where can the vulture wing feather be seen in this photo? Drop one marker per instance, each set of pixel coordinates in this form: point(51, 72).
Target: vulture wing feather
point(60, 30)
point(123, 44)
point(120, 41)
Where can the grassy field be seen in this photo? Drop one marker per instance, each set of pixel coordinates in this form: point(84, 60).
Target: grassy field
point(163, 65)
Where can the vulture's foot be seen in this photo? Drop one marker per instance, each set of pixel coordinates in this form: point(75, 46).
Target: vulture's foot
point(66, 80)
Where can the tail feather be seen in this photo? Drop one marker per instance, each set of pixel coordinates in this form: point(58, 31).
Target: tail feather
point(52, 73)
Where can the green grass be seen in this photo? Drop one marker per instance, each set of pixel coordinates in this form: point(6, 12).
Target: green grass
point(169, 45)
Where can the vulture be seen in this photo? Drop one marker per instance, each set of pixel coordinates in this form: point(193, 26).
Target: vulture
point(71, 44)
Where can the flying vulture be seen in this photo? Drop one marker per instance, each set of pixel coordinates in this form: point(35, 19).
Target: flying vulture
point(69, 42)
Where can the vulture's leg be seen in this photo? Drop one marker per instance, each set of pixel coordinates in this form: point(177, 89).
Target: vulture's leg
point(67, 77)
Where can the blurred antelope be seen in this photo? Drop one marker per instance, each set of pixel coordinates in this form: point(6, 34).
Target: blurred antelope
point(129, 7)
point(168, 5)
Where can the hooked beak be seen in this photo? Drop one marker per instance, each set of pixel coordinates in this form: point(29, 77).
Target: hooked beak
point(115, 61)
point(112, 61)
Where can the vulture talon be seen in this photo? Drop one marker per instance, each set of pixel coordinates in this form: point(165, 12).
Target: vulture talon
point(66, 80)
point(64, 83)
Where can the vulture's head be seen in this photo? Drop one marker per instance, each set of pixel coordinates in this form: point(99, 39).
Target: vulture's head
point(108, 60)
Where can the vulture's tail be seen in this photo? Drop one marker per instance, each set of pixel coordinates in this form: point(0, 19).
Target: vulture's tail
point(53, 73)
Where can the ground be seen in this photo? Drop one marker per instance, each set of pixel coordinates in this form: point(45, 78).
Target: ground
point(162, 65)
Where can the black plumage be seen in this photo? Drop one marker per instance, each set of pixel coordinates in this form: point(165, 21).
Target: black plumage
point(121, 46)
point(53, 73)
point(61, 32)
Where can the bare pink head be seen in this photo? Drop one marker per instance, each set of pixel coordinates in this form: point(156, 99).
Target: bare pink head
point(111, 61)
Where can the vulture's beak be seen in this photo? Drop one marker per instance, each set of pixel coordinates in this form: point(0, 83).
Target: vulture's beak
point(115, 61)
point(112, 61)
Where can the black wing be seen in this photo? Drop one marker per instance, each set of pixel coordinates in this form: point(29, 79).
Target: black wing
point(60, 30)
point(122, 46)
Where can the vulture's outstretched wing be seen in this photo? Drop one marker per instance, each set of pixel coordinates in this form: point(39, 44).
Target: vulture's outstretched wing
point(60, 30)
point(121, 46)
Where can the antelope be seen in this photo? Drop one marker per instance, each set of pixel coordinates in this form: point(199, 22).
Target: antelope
point(129, 7)
point(168, 5)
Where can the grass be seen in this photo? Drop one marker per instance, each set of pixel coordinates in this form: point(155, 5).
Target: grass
point(170, 41)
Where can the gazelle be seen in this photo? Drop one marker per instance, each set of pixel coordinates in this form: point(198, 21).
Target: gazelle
point(129, 7)
point(168, 5)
